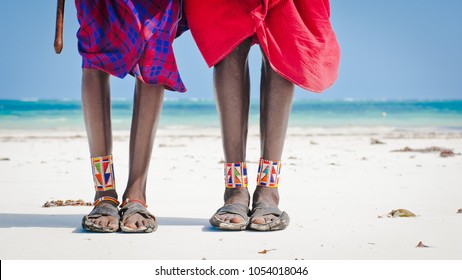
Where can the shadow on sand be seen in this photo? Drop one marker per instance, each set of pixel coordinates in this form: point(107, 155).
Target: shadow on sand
point(8, 220)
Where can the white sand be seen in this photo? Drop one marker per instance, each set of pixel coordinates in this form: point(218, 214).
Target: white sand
point(334, 186)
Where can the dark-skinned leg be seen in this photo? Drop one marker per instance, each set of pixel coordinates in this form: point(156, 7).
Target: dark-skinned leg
point(147, 107)
point(96, 107)
point(232, 93)
point(276, 95)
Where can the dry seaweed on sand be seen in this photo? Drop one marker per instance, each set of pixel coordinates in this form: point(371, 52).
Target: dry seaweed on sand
point(266, 251)
point(376, 142)
point(399, 213)
point(447, 153)
point(68, 202)
point(444, 152)
point(421, 245)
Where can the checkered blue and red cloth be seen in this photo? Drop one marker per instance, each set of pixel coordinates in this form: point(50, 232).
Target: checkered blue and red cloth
point(134, 37)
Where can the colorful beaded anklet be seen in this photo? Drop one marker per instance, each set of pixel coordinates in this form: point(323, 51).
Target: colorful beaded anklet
point(268, 173)
point(106, 198)
point(236, 175)
point(103, 173)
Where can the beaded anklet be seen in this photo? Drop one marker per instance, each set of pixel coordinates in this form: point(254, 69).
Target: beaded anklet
point(268, 173)
point(236, 175)
point(106, 198)
point(103, 173)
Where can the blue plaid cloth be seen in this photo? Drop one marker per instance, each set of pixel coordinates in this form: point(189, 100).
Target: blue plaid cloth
point(133, 37)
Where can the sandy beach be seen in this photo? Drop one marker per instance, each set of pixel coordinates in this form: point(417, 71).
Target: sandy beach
point(337, 185)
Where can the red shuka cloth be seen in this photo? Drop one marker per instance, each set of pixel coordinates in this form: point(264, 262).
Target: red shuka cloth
point(295, 35)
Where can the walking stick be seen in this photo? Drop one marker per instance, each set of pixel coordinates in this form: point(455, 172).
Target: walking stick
point(59, 27)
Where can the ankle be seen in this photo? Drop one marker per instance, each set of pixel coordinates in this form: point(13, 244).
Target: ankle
point(237, 195)
point(128, 200)
point(110, 193)
point(134, 196)
point(267, 182)
point(265, 195)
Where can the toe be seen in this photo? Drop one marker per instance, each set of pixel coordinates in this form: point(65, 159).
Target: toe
point(231, 218)
point(224, 218)
point(130, 224)
point(258, 220)
point(140, 224)
point(236, 219)
point(151, 223)
point(92, 221)
point(101, 222)
point(113, 224)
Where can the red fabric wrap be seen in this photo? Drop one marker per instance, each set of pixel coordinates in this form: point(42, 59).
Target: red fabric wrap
point(295, 35)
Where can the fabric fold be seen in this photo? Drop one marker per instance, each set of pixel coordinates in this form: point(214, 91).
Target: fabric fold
point(296, 36)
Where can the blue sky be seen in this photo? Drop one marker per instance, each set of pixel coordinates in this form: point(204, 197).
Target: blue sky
point(396, 49)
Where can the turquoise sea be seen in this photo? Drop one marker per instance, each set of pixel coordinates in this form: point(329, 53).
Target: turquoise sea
point(66, 114)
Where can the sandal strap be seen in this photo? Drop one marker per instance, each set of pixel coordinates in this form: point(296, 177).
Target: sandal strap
point(236, 208)
point(106, 198)
point(265, 209)
point(127, 200)
point(135, 208)
point(105, 210)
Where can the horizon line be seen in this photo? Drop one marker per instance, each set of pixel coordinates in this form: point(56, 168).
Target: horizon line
point(195, 99)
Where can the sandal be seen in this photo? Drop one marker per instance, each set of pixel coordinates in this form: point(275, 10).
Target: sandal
point(263, 209)
point(108, 209)
point(238, 209)
point(132, 207)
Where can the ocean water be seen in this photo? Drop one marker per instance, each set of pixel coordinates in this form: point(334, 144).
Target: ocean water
point(67, 115)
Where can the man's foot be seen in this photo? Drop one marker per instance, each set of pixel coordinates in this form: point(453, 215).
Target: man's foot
point(105, 215)
point(136, 218)
point(266, 215)
point(268, 196)
point(234, 214)
point(233, 196)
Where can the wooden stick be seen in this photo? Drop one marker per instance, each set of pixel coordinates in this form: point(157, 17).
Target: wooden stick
point(59, 27)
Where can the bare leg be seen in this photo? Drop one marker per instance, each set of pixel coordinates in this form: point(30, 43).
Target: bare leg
point(276, 95)
point(146, 113)
point(96, 106)
point(232, 93)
